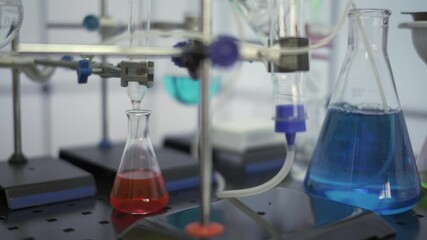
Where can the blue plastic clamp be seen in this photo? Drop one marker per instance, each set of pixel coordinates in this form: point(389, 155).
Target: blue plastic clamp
point(83, 71)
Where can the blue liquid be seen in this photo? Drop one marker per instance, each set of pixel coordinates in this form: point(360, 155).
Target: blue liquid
point(364, 158)
point(186, 90)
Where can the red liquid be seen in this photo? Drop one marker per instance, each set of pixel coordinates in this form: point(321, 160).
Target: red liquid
point(139, 192)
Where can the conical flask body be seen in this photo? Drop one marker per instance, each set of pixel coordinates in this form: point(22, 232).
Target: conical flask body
point(139, 187)
point(363, 155)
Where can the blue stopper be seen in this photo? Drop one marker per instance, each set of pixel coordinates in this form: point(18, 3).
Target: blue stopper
point(224, 51)
point(91, 23)
point(178, 61)
point(290, 119)
point(83, 71)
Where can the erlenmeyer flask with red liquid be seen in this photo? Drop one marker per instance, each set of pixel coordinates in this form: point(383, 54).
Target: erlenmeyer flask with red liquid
point(139, 187)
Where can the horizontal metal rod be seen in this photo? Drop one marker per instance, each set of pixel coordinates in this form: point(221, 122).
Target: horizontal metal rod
point(16, 61)
point(70, 49)
point(154, 25)
point(248, 52)
point(64, 26)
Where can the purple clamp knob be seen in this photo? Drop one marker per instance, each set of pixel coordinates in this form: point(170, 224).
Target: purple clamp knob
point(178, 61)
point(224, 51)
point(83, 71)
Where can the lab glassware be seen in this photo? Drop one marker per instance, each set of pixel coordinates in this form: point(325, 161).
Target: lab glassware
point(258, 15)
point(11, 15)
point(139, 13)
point(363, 156)
point(139, 187)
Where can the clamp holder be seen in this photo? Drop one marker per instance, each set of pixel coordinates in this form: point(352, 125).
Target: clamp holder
point(292, 63)
point(193, 53)
point(141, 72)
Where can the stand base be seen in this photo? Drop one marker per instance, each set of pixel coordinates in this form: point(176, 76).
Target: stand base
point(237, 168)
point(42, 181)
point(179, 170)
point(198, 230)
point(277, 214)
point(18, 159)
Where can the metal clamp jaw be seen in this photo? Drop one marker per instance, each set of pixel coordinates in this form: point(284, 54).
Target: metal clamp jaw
point(141, 72)
point(292, 63)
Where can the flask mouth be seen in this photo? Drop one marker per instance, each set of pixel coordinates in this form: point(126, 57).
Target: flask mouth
point(142, 112)
point(369, 12)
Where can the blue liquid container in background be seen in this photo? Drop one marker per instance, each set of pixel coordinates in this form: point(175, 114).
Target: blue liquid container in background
point(186, 90)
point(364, 158)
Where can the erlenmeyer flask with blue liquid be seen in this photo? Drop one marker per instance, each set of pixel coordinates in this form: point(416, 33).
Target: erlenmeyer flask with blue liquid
point(363, 156)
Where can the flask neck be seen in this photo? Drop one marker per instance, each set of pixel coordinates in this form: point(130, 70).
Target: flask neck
point(368, 26)
point(138, 123)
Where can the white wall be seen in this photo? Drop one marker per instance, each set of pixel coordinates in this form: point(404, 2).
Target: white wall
point(70, 114)
point(32, 100)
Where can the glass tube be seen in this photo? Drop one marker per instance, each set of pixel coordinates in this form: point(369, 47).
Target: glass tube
point(139, 21)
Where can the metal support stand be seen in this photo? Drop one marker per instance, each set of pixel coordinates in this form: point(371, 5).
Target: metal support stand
point(205, 145)
point(205, 228)
point(17, 157)
point(105, 140)
point(39, 181)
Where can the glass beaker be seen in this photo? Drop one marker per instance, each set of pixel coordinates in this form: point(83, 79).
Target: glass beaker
point(139, 187)
point(363, 156)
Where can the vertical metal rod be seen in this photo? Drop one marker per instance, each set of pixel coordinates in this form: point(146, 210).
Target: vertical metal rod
point(45, 89)
point(17, 156)
point(104, 87)
point(16, 105)
point(205, 145)
point(103, 8)
point(104, 107)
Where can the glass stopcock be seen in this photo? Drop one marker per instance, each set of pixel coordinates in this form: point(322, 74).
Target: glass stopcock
point(139, 187)
point(363, 156)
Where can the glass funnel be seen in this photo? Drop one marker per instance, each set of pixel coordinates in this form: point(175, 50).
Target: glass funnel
point(139, 187)
point(363, 156)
